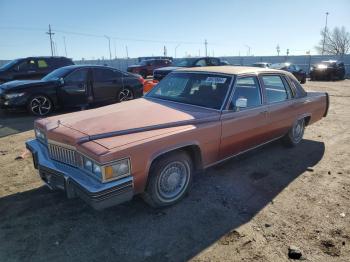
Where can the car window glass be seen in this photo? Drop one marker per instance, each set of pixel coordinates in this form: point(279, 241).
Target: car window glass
point(246, 88)
point(275, 89)
point(77, 76)
point(201, 62)
point(214, 62)
point(207, 90)
point(297, 68)
point(42, 63)
point(103, 75)
point(27, 65)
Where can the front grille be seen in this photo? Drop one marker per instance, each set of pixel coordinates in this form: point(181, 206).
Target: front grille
point(64, 155)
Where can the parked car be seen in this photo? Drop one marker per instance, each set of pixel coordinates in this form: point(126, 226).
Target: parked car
point(262, 64)
point(299, 73)
point(32, 67)
point(71, 86)
point(148, 85)
point(196, 118)
point(146, 67)
point(329, 70)
point(160, 73)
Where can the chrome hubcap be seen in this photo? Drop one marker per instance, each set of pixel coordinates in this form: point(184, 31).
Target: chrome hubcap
point(173, 180)
point(40, 105)
point(125, 95)
point(298, 131)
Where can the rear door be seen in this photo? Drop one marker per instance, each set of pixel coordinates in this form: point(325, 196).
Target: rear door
point(106, 84)
point(282, 109)
point(243, 127)
point(75, 88)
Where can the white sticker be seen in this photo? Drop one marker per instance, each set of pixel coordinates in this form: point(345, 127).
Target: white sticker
point(216, 80)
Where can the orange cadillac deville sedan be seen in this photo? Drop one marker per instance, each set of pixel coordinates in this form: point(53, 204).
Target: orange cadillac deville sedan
point(194, 118)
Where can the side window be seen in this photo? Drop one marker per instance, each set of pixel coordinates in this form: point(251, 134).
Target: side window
point(27, 65)
point(247, 91)
point(214, 62)
point(276, 89)
point(201, 62)
point(77, 76)
point(297, 68)
point(42, 64)
point(103, 75)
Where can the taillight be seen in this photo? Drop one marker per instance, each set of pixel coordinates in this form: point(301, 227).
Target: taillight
point(142, 81)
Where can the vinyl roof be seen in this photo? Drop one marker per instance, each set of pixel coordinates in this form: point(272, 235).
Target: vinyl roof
point(232, 70)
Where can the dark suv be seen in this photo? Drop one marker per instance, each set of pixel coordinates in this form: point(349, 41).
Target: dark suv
point(146, 67)
point(329, 70)
point(31, 67)
point(299, 73)
point(160, 73)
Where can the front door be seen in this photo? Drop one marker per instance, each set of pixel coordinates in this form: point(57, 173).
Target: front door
point(75, 88)
point(244, 124)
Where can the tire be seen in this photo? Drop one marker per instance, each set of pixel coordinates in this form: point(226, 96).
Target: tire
point(295, 134)
point(40, 105)
point(125, 94)
point(169, 180)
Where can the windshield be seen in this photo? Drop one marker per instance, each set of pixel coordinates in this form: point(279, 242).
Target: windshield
point(57, 74)
point(9, 64)
point(207, 90)
point(184, 62)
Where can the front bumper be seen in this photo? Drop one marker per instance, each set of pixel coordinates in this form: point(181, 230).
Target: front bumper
point(76, 183)
point(13, 103)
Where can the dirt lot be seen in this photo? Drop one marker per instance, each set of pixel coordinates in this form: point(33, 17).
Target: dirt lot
point(251, 208)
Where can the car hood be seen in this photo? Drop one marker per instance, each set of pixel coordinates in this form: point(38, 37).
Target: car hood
point(115, 125)
point(19, 84)
point(133, 66)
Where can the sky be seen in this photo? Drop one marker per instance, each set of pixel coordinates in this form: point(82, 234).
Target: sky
point(143, 28)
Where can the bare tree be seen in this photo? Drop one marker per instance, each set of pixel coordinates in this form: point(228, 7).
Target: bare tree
point(335, 42)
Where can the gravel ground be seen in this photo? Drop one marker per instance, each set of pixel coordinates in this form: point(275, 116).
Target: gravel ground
point(251, 208)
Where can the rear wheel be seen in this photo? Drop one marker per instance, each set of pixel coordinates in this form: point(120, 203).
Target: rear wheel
point(40, 105)
point(295, 134)
point(125, 94)
point(169, 179)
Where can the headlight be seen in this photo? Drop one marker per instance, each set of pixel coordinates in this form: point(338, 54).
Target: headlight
point(92, 167)
point(120, 168)
point(107, 172)
point(321, 66)
point(14, 95)
point(40, 135)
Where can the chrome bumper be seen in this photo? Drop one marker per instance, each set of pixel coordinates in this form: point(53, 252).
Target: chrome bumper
point(77, 183)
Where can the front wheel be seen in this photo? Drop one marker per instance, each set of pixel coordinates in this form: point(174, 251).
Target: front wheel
point(125, 94)
point(169, 179)
point(40, 105)
point(295, 134)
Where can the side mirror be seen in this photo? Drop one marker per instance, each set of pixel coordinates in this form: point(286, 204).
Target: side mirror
point(61, 81)
point(241, 103)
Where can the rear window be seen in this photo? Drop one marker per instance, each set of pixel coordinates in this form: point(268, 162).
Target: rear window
point(275, 88)
point(207, 90)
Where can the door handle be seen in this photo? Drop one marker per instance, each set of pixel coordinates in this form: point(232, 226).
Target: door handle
point(264, 112)
point(307, 101)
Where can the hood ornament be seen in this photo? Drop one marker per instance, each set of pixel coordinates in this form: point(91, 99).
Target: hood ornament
point(53, 125)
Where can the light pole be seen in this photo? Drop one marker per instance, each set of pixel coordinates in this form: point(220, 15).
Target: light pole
point(278, 50)
point(109, 46)
point(176, 49)
point(325, 32)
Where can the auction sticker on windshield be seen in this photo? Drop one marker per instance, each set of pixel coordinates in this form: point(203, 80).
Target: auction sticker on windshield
point(216, 80)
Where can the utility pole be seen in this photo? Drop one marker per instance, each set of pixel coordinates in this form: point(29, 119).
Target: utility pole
point(248, 50)
point(109, 46)
point(324, 33)
point(278, 49)
point(206, 47)
point(127, 52)
point(50, 34)
point(287, 52)
point(65, 47)
point(176, 49)
point(115, 50)
point(165, 51)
